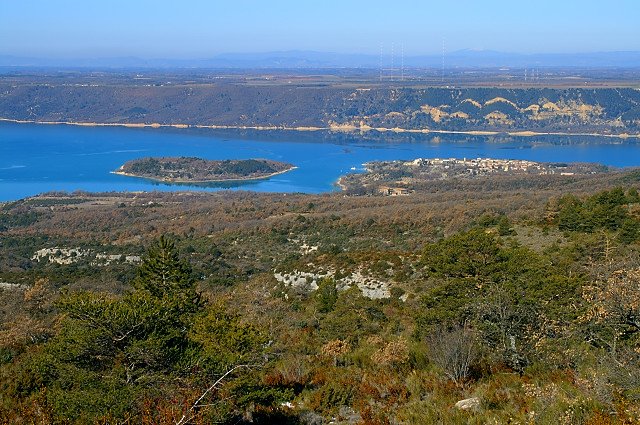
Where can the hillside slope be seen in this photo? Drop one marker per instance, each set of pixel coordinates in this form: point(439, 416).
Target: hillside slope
point(592, 110)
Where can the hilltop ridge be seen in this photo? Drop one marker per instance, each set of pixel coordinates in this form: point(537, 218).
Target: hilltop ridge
point(313, 102)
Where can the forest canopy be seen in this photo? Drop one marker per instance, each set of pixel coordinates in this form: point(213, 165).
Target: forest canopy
point(192, 169)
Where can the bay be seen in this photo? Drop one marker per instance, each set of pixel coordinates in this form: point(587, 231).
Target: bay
point(36, 158)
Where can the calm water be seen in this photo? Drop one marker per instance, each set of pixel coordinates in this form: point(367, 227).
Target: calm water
point(39, 158)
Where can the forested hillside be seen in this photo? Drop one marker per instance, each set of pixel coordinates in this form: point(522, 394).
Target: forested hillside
point(362, 106)
point(516, 296)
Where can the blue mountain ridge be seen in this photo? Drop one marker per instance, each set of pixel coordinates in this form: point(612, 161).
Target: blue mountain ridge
point(471, 58)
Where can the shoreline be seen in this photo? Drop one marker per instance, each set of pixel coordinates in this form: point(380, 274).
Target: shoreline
point(122, 173)
point(344, 128)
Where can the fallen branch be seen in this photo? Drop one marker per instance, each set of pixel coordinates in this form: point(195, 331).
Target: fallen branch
point(187, 413)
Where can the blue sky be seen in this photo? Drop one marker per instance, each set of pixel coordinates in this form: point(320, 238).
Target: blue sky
point(201, 29)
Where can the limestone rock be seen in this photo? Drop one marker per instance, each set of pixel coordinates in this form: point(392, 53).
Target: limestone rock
point(468, 404)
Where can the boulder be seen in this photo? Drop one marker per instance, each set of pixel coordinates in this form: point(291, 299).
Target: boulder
point(468, 404)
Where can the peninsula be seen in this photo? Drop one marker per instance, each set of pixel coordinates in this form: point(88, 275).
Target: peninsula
point(198, 170)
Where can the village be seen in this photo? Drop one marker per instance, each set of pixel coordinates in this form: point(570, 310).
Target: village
point(479, 166)
point(398, 178)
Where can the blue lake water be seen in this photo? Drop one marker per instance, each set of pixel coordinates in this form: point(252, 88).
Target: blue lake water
point(39, 158)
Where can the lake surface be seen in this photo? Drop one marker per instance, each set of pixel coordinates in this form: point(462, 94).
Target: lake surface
point(36, 158)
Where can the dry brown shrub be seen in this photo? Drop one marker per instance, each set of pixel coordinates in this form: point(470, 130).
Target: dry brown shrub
point(335, 348)
point(375, 340)
point(396, 352)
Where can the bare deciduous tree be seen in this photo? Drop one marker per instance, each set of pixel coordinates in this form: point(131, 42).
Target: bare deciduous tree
point(454, 351)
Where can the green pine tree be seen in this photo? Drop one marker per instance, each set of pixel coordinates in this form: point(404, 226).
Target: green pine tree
point(163, 271)
point(154, 343)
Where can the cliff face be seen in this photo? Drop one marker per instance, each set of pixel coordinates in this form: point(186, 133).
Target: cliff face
point(608, 111)
point(605, 111)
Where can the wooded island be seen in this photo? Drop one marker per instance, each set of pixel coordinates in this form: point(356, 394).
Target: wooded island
point(198, 170)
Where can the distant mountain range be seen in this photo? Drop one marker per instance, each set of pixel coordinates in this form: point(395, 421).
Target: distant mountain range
point(309, 59)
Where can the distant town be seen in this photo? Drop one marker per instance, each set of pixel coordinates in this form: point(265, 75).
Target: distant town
point(394, 178)
point(480, 166)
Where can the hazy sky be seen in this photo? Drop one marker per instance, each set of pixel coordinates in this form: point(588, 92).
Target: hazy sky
point(201, 29)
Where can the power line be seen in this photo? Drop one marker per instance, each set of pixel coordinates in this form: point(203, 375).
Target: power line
point(443, 60)
point(402, 65)
point(380, 61)
point(392, 59)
